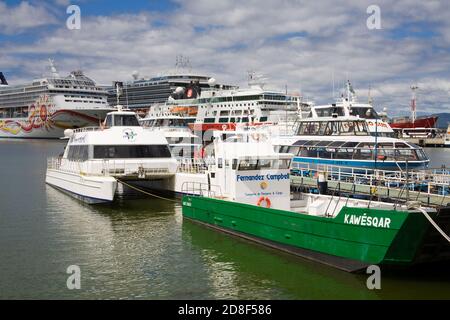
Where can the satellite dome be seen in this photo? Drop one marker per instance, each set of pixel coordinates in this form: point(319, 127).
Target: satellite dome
point(135, 74)
point(211, 82)
point(179, 90)
point(68, 133)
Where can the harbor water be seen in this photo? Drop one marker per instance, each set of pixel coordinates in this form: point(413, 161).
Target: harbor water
point(143, 249)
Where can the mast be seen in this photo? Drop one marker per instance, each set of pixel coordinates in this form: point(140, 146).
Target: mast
point(53, 70)
point(413, 103)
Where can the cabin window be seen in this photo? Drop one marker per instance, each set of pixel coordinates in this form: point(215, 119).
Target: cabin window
point(209, 120)
point(126, 121)
point(284, 149)
point(219, 163)
point(234, 165)
point(108, 121)
point(344, 153)
point(300, 142)
point(281, 164)
point(250, 164)
point(133, 151)
point(294, 150)
point(223, 120)
point(323, 143)
point(78, 153)
point(262, 119)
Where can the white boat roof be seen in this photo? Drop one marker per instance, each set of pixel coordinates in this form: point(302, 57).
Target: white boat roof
point(117, 136)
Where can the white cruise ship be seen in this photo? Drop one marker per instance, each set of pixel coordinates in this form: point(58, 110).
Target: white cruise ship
point(142, 92)
point(46, 107)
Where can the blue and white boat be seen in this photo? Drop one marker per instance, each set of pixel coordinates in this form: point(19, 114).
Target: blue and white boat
point(347, 141)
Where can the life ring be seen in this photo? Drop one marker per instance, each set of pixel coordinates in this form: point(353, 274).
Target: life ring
point(266, 200)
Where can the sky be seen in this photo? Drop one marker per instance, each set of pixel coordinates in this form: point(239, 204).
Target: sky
point(310, 47)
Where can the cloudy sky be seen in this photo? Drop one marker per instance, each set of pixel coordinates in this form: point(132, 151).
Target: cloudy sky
point(301, 44)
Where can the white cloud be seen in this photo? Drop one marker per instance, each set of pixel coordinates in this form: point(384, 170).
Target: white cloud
point(295, 43)
point(14, 20)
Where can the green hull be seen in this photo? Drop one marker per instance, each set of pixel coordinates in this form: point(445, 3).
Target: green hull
point(355, 238)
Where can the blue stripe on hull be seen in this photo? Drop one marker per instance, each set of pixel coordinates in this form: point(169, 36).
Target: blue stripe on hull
point(85, 199)
point(369, 164)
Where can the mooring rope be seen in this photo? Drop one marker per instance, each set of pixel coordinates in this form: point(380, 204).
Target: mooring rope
point(434, 223)
point(146, 192)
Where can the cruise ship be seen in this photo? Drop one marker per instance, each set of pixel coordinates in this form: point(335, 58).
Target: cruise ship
point(141, 93)
point(45, 107)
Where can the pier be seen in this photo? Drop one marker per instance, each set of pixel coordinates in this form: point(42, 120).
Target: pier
point(428, 187)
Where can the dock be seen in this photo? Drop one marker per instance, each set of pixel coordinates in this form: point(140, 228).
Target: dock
point(428, 187)
point(427, 142)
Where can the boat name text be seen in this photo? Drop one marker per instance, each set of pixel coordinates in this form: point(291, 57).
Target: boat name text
point(260, 177)
point(368, 221)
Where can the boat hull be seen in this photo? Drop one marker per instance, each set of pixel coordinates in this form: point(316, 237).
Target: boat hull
point(51, 125)
point(91, 190)
point(396, 239)
point(428, 122)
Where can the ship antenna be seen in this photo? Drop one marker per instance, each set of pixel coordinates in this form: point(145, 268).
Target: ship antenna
point(53, 68)
point(414, 102)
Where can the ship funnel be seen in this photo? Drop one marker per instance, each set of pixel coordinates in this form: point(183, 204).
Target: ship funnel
point(3, 79)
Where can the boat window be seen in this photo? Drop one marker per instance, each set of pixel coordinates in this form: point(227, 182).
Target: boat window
point(223, 120)
point(234, 165)
point(250, 164)
point(336, 144)
point(406, 154)
point(78, 153)
point(133, 151)
point(300, 142)
point(363, 152)
point(323, 143)
point(294, 150)
point(219, 163)
point(108, 121)
point(364, 112)
point(126, 121)
point(311, 143)
point(401, 145)
point(281, 164)
point(209, 120)
point(350, 144)
point(262, 119)
point(344, 153)
point(245, 119)
point(308, 152)
point(284, 149)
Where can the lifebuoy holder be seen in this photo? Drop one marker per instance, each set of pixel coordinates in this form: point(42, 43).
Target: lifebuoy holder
point(265, 200)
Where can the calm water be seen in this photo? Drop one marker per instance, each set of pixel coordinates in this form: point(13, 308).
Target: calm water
point(143, 249)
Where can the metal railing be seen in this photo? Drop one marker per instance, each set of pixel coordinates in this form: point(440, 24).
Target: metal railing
point(432, 181)
point(201, 189)
point(106, 168)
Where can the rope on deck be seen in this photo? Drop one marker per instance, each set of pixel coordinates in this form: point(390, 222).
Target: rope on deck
point(146, 192)
point(433, 223)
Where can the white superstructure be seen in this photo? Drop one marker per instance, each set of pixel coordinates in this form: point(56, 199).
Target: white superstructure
point(46, 107)
point(95, 159)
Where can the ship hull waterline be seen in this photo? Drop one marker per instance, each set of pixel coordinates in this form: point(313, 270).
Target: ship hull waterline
point(398, 240)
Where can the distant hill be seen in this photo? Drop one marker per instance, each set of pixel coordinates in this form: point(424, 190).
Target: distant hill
point(443, 121)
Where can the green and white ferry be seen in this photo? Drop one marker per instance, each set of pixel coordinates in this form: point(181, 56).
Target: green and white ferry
point(244, 190)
